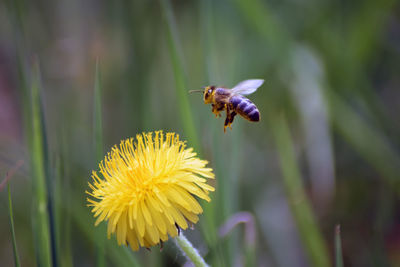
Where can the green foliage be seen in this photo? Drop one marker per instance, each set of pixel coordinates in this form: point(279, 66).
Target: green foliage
point(338, 247)
point(152, 53)
point(14, 239)
point(298, 201)
point(40, 213)
point(98, 145)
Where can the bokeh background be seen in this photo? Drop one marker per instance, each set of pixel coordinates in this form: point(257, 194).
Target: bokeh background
point(76, 77)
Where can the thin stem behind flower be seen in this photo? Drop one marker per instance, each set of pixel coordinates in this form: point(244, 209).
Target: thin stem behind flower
point(189, 251)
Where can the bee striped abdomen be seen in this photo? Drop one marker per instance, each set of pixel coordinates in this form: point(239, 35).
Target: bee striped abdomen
point(245, 107)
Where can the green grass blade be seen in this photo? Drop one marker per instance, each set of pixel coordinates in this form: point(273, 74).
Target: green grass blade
point(298, 201)
point(338, 247)
point(208, 37)
point(98, 115)
point(40, 218)
point(35, 138)
point(61, 201)
point(10, 208)
point(49, 182)
point(100, 231)
point(11, 217)
point(179, 74)
point(208, 224)
point(369, 142)
point(118, 255)
point(57, 204)
point(225, 198)
point(262, 20)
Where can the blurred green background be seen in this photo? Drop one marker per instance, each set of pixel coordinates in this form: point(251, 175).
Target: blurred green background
point(326, 150)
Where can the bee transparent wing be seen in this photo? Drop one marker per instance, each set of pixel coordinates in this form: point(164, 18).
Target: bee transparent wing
point(247, 87)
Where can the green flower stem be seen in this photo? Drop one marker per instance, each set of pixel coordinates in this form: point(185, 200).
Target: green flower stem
point(189, 251)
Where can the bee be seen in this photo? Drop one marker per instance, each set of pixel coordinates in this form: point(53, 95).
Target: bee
point(232, 100)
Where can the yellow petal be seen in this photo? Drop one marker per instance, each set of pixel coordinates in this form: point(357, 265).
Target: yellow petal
point(179, 219)
point(162, 198)
point(146, 187)
point(146, 213)
point(176, 197)
point(188, 215)
point(132, 240)
point(171, 229)
point(194, 205)
point(140, 223)
point(109, 230)
point(153, 202)
point(159, 220)
point(152, 232)
point(121, 230)
point(166, 214)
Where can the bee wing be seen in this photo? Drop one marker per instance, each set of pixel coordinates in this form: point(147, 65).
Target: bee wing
point(247, 87)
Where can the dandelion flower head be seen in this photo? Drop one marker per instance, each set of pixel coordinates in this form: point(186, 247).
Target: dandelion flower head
point(145, 189)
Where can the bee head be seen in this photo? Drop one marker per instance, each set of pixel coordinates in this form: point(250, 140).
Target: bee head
point(209, 92)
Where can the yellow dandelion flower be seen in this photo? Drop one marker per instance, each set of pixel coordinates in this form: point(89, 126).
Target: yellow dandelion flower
point(146, 188)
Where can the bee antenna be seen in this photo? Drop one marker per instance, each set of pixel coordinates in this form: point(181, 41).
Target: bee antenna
point(194, 91)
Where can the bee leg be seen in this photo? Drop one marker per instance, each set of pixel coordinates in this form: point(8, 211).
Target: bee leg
point(233, 114)
point(228, 118)
point(214, 109)
point(226, 123)
point(217, 108)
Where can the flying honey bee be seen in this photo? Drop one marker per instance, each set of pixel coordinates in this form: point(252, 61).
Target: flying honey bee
point(232, 100)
